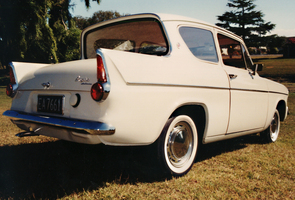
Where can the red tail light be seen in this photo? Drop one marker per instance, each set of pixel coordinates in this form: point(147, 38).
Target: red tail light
point(100, 90)
point(101, 74)
point(11, 76)
point(9, 90)
point(97, 91)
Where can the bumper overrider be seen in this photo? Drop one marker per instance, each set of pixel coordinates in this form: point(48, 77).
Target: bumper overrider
point(59, 127)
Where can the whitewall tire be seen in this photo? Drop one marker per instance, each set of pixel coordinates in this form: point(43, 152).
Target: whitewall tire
point(272, 132)
point(177, 145)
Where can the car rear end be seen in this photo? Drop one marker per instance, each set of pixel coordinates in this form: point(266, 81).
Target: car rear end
point(61, 100)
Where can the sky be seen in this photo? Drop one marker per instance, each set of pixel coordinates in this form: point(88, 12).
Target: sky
point(279, 12)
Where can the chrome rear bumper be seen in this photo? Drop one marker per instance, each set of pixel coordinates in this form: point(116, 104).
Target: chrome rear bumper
point(29, 122)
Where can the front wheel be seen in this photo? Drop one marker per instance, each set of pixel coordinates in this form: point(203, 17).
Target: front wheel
point(177, 145)
point(272, 132)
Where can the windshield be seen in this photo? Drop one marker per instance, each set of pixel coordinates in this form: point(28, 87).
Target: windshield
point(144, 36)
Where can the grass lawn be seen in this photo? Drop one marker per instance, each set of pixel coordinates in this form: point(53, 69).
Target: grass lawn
point(281, 70)
point(241, 168)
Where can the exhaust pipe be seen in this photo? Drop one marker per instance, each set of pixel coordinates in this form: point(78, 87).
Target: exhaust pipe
point(29, 133)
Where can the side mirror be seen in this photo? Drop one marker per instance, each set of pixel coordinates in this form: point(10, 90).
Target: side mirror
point(259, 67)
point(256, 68)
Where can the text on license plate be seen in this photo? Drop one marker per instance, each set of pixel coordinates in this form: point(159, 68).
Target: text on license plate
point(50, 104)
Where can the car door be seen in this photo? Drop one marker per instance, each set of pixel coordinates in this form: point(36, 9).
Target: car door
point(248, 92)
point(208, 77)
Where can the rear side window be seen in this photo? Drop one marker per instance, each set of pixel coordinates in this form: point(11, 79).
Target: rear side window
point(200, 42)
point(144, 36)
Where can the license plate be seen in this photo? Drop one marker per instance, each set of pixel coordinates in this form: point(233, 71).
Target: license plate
point(50, 104)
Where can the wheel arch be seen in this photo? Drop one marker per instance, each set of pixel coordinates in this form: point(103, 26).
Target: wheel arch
point(282, 108)
point(197, 113)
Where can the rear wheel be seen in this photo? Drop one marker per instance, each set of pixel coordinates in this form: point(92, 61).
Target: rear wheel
point(272, 132)
point(177, 145)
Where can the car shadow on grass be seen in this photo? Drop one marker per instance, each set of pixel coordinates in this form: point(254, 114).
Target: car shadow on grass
point(56, 169)
point(211, 150)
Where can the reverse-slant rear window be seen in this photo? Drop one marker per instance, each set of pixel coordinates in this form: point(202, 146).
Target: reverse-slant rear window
point(144, 36)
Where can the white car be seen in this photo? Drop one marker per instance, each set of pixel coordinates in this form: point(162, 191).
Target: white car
point(150, 78)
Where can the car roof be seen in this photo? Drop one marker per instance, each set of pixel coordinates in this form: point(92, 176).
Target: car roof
point(161, 16)
point(172, 17)
point(179, 18)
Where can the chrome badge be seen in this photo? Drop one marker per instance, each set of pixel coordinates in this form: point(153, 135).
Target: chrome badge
point(83, 81)
point(46, 85)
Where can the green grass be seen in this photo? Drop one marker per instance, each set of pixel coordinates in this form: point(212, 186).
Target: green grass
point(282, 70)
point(241, 168)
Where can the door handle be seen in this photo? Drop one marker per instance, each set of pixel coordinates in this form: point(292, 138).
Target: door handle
point(232, 76)
point(251, 74)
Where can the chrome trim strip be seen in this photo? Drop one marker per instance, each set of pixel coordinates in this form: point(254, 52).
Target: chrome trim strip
point(273, 92)
point(237, 132)
point(249, 90)
point(90, 127)
point(177, 85)
point(262, 91)
point(205, 87)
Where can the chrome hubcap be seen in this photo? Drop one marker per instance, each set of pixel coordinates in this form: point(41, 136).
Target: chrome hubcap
point(180, 143)
point(274, 130)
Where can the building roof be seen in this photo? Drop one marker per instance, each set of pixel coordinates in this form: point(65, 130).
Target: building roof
point(291, 40)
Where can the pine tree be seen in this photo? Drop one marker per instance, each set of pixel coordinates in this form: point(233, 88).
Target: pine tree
point(245, 21)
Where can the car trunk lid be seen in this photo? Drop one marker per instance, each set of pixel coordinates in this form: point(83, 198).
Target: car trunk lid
point(75, 75)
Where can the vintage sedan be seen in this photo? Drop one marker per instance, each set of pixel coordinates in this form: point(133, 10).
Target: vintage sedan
point(144, 79)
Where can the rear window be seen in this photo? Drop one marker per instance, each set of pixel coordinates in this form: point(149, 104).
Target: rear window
point(144, 36)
